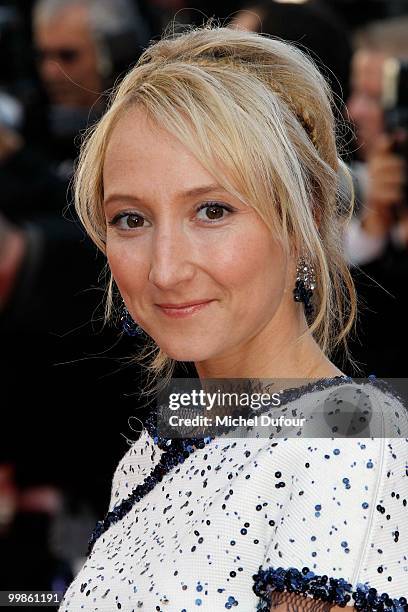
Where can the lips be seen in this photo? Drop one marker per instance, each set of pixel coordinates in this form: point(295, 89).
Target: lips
point(184, 309)
point(184, 304)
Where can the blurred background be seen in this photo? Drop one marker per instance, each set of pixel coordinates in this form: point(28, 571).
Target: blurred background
point(68, 392)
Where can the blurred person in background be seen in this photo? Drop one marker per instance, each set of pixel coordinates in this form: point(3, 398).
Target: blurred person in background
point(380, 171)
point(81, 47)
point(377, 239)
point(67, 54)
point(46, 263)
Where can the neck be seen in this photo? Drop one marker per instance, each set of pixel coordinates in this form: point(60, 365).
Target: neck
point(273, 353)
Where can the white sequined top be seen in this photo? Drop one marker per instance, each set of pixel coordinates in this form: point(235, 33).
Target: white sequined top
point(230, 522)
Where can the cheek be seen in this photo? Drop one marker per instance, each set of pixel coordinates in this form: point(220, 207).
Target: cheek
point(378, 117)
point(373, 115)
point(251, 265)
point(127, 264)
point(87, 68)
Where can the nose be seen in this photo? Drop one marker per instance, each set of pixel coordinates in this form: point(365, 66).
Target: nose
point(359, 108)
point(50, 70)
point(172, 261)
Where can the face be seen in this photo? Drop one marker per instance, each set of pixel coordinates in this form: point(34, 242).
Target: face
point(197, 268)
point(67, 59)
point(365, 101)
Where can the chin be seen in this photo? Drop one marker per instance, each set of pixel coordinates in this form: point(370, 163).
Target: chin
point(187, 350)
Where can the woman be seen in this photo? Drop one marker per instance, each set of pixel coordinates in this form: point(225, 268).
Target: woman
point(212, 185)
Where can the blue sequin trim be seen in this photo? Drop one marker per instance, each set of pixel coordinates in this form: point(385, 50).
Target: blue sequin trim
point(336, 591)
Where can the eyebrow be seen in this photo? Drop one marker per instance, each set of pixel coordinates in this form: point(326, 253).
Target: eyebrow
point(196, 191)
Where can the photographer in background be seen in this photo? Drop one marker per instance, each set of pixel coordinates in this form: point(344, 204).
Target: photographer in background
point(381, 172)
point(81, 47)
point(377, 239)
point(47, 266)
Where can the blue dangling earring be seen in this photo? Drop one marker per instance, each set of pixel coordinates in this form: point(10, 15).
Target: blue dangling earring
point(305, 285)
point(129, 326)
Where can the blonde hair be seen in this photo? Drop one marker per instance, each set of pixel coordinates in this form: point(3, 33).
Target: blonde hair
point(257, 114)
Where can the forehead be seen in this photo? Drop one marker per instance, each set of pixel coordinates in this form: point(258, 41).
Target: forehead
point(68, 25)
point(367, 70)
point(142, 156)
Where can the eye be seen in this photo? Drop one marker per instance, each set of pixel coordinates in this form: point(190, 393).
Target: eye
point(127, 221)
point(213, 211)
